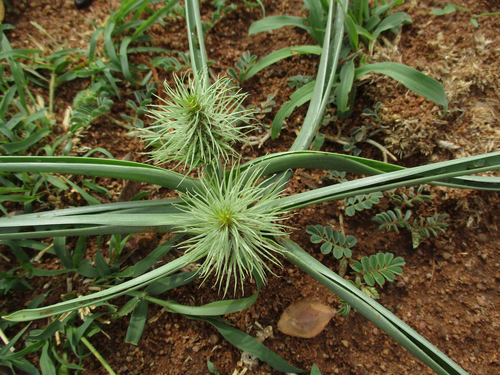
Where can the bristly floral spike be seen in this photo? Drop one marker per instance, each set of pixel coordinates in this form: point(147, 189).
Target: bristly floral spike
point(198, 124)
point(233, 226)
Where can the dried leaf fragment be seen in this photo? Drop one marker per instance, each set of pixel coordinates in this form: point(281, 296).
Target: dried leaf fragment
point(305, 319)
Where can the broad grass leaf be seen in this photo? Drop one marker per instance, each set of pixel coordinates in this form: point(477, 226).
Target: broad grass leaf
point(250, 345)
point(277, 22)
point(298, 98)
point(411, 78)
point(137, 323)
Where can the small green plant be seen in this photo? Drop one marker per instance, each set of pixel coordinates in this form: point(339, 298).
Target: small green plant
point(265, 107)
point(143, 99)
point(332, 240)
point(198, 124)
point(299, 81)
point(372, 270)
point(211, 368)
point(420, 229)
point(89, 105)
point(450, 8)
point(220, 12)
point(362, 202)
point(244, 64)
point(356, 203)
point(410, 199)
point(232, 224)
point(374, 113)
point(170, 64)
point(375, 269)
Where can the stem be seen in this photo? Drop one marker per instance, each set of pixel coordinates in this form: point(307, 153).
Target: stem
point(384, 150)
point(98, 356)
point(372, 310)
point(5, 339)
point(52, 89)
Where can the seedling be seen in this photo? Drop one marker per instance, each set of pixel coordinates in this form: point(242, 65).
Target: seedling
point(451, 8)
point(370, 270)
point(420, 229)
point(244, 64)
point(198, 124)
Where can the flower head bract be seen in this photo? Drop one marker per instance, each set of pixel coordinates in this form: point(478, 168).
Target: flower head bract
point(233, 222)
point(198, 124)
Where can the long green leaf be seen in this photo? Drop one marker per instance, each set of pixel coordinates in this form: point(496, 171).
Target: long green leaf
point(334, 35)
point(196, 41)
point(390, 22)
point(248, 344)
point(373, 311)
point(277, 22)
point(411, 78)
point(432, 173)
point(98, 167)
point(345, 85)
point(138, 220)
point(99, 297)
point(280, 55)
point(299, 97)
point(124, 61)
point(12, 148)
point(137, 323)
point(210, 309)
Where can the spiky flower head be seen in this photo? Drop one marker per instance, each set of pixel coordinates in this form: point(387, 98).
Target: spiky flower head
point(233, 222)
point(198, 124)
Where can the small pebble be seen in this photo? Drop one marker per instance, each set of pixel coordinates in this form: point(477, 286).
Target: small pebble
point(483, 238)
point(214, 338)
point(446, 255)
point(129, 359)
point(480, 301)
point(345, 343)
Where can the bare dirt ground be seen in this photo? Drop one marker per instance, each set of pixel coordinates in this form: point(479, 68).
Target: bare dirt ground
point(449, 291)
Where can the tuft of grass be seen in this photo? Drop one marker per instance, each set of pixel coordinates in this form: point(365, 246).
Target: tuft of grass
point(233, 224)
point(198, 124)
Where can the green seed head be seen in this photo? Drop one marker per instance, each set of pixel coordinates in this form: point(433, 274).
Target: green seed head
point(233, 224)
point(197, 124)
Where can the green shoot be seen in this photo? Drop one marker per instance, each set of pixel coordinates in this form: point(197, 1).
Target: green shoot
point(450, 8)
point(244, 64)
point(232, 222)
point(420, 229)
point(331, 239)
point(198, 124)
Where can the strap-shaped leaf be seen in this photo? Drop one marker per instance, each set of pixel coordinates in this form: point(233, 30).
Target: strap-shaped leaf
point(250, 345)
point(411, 78)
point(137, 323)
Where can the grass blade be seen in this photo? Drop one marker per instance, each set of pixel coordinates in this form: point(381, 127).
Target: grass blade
point(277, 22)
point(137, 323)
point(299, 97)
point(151, 20)
point(411, 78)
point(248, 344)
point(373, 311)
point(98, 167)
point(280, 55)
point(99, 297)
